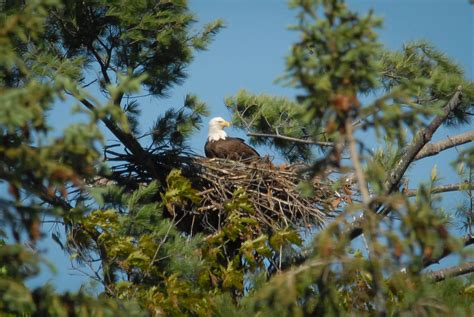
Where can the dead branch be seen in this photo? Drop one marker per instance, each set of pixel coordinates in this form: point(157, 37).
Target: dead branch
point(289, 138)
point(462, 269)
point(443, 189)
point(434, 148)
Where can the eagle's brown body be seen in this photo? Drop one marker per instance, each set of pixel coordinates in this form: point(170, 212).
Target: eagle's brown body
point(221, 146)
point(229, 148)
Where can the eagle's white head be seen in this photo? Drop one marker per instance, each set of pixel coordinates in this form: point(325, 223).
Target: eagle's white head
point(216, 129)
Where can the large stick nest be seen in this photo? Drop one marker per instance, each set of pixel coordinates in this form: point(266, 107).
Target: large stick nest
point(272, 191)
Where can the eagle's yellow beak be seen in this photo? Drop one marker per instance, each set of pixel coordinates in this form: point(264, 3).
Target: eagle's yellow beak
point(226, 124)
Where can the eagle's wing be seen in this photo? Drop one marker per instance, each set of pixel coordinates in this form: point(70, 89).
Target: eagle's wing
point(243, 150)
point(230, 148)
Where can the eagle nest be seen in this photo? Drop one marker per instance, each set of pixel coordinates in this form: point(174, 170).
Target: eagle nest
point(272, 191)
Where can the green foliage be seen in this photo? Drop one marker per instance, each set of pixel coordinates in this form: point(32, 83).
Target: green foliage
point(126, 226)
point(384, 159)
point(172, 129)
point(46, 50)
point(136, 35)
point(179, 191)
point(420, 60)
point(419, 81)
point(17, 300)
point(334, 60)
point(335, 282)
point(337, 60)
point(272, 115)
point(159, 265)
point(457, 294)
point(30, 163)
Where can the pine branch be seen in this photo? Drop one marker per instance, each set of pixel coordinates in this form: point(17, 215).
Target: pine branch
point(443, 189)
point(289, 138)
point(128, 140)
point(440, 275)
point(434, 148)
point(36, 186)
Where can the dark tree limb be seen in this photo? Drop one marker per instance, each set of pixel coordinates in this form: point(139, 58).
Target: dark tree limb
point(440, 275)
point(443, 189)
point(434, 148)
point(102, 64)
point(128, 140)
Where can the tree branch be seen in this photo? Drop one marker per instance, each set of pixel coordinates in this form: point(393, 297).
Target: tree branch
point(419, 141)
point(434, 148)
point(443, 189)
point(410, 152)
point(289, 138)
point(357, 167)
point(127, 139)
point(440, 275)
point(102, 64)
point(469, 240)
point(378, 283)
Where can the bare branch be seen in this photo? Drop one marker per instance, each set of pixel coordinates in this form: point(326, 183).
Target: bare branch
point(434, 148)
point(127, 139)
point(464, 268)
point(468, 240)
point(289, 138)
point(88, 84)
point(443, 189)
point(102, 63)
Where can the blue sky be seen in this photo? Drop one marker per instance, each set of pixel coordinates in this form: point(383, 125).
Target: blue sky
point(250, 53)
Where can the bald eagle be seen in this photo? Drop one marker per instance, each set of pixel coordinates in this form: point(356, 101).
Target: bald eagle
point(220, 145)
